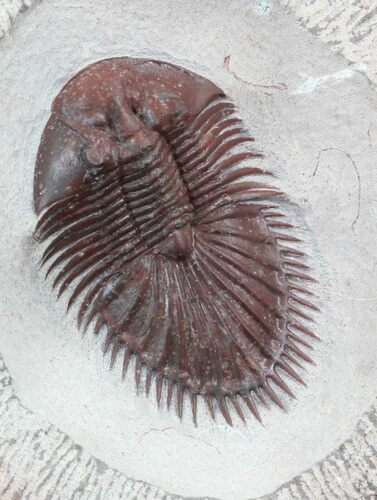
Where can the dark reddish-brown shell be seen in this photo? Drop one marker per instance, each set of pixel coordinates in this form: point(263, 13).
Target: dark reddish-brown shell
point(170, 241)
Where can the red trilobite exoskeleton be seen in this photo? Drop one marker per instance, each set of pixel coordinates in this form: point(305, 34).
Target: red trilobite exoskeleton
point(168, 237)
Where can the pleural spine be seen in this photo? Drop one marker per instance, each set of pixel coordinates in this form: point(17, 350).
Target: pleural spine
point(209, 171)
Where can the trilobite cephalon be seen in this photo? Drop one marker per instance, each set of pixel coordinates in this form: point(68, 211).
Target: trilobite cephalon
point(173, 244)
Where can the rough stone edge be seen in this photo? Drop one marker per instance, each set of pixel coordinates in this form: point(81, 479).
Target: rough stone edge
point(38, 461)
point(9, 12)
point(348, 27)
point(348, 472)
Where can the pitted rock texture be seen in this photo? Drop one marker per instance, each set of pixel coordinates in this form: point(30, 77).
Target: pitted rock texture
point(347, 27)
point(39, 462)
point(9, 11)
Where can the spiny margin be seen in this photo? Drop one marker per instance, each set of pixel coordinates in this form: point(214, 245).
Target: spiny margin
point(208, 176)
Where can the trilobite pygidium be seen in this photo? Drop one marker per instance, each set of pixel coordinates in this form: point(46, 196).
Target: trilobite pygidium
point(174, 246)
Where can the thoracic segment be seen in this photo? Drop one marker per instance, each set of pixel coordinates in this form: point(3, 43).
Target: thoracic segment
point(156, 195)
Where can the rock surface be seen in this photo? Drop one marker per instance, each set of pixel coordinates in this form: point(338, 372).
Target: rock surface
point(37, 461)
point(321, 132)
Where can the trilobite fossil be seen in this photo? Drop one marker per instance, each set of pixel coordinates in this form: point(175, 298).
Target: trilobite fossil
point(159, 225)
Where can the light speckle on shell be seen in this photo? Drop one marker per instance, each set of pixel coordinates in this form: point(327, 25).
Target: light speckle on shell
point(175, 245)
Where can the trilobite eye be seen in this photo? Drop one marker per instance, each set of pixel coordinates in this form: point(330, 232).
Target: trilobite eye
point(140, 114)
point(93, 169)
point(98, 152)
point(98, 120)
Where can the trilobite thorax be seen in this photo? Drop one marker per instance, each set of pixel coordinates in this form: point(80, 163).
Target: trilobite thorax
point(173, 244)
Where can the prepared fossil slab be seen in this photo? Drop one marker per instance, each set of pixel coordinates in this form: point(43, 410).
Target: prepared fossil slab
point(158, 221)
